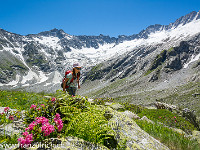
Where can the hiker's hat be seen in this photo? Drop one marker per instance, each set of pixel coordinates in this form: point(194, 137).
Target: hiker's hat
point(76, 65)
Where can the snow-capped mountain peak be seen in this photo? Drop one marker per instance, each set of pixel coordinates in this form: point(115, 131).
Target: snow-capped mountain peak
point(39, 56)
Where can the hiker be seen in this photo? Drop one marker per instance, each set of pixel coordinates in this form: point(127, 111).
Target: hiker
point(71, 80)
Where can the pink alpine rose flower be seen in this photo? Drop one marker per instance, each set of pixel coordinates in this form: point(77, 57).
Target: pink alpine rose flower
point(6, 109)
point(53, 99)
point(47, 129)
point(58, 122)
point(33, 106)
point(42, 120)
point(11, 117)
point(25, 141)
point(25, 133)
point(21, 141)
point(31, 126)
point(57, 116)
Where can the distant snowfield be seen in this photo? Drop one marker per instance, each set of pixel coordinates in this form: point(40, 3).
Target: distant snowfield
point(39, 78)
point(14, 83)
point(50, 41)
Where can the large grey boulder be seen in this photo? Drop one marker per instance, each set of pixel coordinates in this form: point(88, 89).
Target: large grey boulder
point(144, 118)
point(116, 106)
point(129, 133)
point(131, 115)
point(196, 135)
point(16, 127)
point(189, 115)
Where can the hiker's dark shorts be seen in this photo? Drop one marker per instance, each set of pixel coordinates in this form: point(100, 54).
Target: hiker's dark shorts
point(71, 90)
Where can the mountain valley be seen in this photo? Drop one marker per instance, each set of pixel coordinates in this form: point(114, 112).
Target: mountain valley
point(161, 63)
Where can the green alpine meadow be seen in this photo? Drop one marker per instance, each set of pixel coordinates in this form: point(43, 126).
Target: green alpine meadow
point(103, 123)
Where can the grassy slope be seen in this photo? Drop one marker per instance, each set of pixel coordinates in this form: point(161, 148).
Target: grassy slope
point(19, 99)
point(174, 140)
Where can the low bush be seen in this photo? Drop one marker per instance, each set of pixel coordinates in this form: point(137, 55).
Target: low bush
point(173, 140)
point(131, 107)
point(168, 118)
point(102, 101)
point(92, 127)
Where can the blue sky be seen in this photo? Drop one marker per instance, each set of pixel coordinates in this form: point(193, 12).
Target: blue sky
point(91, 17)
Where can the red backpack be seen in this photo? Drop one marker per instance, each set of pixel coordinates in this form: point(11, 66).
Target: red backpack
point(67, 85)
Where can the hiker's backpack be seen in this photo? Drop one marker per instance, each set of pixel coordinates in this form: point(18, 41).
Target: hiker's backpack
point(67, 83)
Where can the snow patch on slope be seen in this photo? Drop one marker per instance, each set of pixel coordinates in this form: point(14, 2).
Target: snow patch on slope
point(194, 58)
point(50, 41)
point(57, 76)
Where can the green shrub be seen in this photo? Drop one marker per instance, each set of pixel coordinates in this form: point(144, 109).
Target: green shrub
point(173, 140)
point(4, 140)
point(168, 118)
point(70, 106)
point(76, 101)
point(101, 101)
point(131, 107)
point(92, 127)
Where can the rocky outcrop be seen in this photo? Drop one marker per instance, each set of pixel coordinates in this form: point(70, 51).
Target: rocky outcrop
point(189, 115)
point(14, 128)
point(131, 115)
point(10, 66)
point(196, 135)
point(126, 129)
point(71, 143)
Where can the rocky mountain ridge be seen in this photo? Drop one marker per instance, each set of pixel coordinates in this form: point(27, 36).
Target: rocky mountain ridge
point(149, 74)
point(37, 61)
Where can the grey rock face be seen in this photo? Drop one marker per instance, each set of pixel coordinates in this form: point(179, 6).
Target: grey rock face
point(10, 66)
point(136, 138)
point(189, 115)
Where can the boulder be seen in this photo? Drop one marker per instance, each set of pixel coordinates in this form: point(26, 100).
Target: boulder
point(160, 105)
point(196, 135)
point(130, 136)
point(108, 103)
point(90, 100)
point(189, 115)
point(16, 127)
point(178, 131)
point(116, 106)
point(131, 115)
point(68, 143)
point(47, 97)
point(144, 118)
